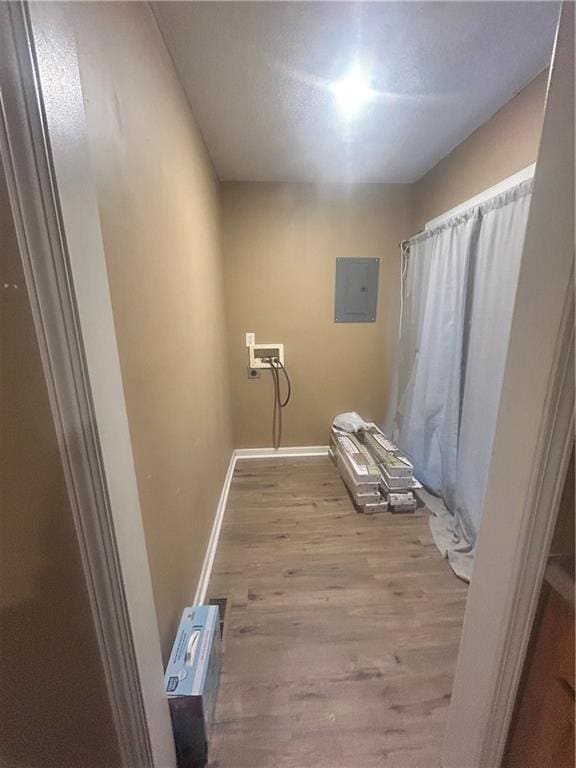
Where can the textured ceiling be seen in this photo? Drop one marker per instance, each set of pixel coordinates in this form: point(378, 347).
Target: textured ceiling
point(257, 76)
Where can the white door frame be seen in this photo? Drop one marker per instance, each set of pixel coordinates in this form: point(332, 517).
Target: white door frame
point(44, 152)
point(532, 445)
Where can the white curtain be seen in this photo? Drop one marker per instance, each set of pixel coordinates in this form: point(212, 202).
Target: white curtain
point(431, 353)
point(459, 284)
point(498, 253)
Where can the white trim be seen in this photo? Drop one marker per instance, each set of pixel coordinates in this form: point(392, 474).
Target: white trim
point(271, 453)
point(52, 195)
point(206, 572)
point(532, 444)
point(552, 458)
point(482, 197)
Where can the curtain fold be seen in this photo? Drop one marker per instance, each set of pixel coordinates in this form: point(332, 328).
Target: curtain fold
point(498, 252)
point(458, 286)
point(431, 354)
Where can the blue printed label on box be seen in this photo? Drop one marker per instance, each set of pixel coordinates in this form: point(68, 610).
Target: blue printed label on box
point(190, 660)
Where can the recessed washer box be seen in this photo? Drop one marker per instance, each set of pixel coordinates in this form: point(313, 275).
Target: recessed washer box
point(191, 683)
point(260, 352)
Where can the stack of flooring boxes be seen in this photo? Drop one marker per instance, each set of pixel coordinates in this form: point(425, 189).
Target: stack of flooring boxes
point(358, 470)
point(397, 473)
point(374, 472)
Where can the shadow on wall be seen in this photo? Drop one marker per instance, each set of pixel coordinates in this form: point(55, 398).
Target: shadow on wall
point(54, 710)
point(564, 532)
point(53, 707)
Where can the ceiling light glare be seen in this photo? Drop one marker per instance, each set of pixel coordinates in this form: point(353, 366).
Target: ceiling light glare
point(352, 93)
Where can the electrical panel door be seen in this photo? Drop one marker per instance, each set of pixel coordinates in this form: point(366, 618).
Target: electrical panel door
point(356, 299)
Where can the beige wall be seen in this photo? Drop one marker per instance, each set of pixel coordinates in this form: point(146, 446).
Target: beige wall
point(159, 208)
point(54, 709)
point(281, 242)
point(502, 146)
point(565, 530)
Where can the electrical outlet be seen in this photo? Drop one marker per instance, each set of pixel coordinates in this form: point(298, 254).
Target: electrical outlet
point(250, 338)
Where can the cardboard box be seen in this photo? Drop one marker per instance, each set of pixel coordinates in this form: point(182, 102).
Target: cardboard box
point(398, 483)
point(402, 501)
point(191, 683)
point(372, 508)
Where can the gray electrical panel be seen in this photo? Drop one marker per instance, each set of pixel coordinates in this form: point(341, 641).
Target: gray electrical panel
point(356, 298)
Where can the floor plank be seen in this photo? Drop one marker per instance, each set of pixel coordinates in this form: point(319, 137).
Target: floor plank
point(342, 629)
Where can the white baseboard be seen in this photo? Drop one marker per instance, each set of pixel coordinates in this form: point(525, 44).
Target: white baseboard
point(271, 453)
point(206, 572)
point(241, 453)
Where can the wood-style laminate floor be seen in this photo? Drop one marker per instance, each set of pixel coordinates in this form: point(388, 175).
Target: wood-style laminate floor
point(342, 629)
